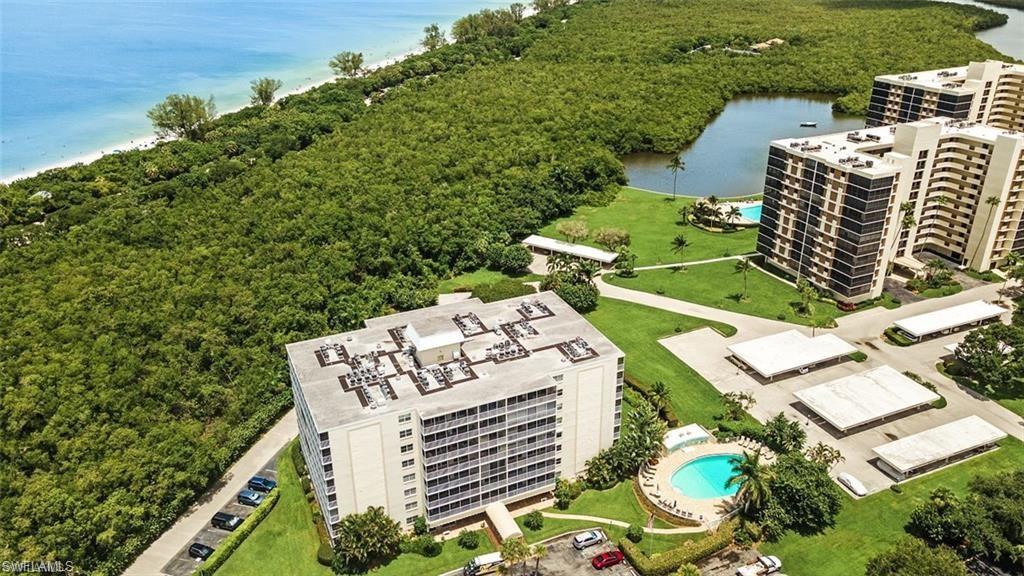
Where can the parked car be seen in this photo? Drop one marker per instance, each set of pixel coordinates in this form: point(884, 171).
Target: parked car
point(250, 498)
point(763, 566)
point(226, 521)
point(851, 482)
point(606, 559)
point(200, 551)
point(587, 539)
point(261, 484)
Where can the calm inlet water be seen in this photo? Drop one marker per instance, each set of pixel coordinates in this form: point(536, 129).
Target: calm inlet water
point(1008, 39)
point(730, 157)
point(78, 76)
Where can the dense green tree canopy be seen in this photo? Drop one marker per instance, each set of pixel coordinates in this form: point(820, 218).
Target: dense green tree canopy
point(146, 299)
point(183, 116)
point(911, 557)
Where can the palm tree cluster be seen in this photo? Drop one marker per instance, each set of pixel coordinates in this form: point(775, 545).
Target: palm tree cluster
point(712, 212)
point(753, 478)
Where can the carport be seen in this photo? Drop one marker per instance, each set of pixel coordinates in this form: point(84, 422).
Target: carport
point(503, 522)
point(788, 351)
point(916, 453)
point(948, 319)
point(865, 397)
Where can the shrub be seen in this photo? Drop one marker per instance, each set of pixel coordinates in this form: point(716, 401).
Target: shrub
point(781, 316)
point(634, 533)
point(513, 259)
point(582, 297)
point(534, 520)
point(894, 336)
point(502, 290)
point(325, 554)
point(565, 492)
point(858, 356)
point(469, 540)
point(419, 526)
point(298, 460)
point(689, 552)
point(235, 539)
point(307, 488)
point(424, 545)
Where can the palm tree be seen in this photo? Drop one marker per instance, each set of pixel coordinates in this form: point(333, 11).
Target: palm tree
point(540, 551)
point(587, 270)
point(675, 165)
point(733, 214)
point(992, 201)
point(713, 203)
point(1014, 267)
point(514, 551)
point(906, 222)
point(684, 214)
point(752, 477)
point(679, 243)
point(743, 265)
point(659, 394)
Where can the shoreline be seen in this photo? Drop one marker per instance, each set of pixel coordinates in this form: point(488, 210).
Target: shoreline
point(150, 141)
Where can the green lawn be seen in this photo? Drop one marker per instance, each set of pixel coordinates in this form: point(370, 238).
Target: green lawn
point(618, 503)
point(942, 291)
point(652, 222)
point(636, 329)
point(652, 543)
point(286, 541)
point(719, 285)
point(868, 526)
point(1012, 401)
point(477, 277)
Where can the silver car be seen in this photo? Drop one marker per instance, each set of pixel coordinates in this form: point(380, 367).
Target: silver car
point(587, 539)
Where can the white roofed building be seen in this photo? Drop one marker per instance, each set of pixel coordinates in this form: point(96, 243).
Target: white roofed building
point(547, 246)
point(934, 447)
point(949, 319)
point(864, 398)
point(789, 351)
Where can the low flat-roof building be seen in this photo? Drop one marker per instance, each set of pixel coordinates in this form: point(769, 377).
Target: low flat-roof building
point(547, 246)
point(833, 204)
point(788, 351)
point(918, 452)
point(948, 319)
point(989, 92)
point(441, 411)
point(860, 399)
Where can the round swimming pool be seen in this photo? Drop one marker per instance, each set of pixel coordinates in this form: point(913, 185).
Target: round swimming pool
point(705, 477)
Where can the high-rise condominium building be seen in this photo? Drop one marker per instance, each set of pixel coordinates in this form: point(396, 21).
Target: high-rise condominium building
point(990, 92)
point(834, 205)
point(441, 411)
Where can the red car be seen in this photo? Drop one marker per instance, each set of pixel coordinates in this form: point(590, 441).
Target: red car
point(606, 559)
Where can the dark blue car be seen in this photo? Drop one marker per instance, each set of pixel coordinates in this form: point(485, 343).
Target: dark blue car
point(261, 484)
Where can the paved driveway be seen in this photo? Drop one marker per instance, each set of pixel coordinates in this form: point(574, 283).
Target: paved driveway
point(181, 564)
point(564, 560)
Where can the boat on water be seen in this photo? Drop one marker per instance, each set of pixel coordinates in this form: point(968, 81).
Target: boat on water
point(808, 124)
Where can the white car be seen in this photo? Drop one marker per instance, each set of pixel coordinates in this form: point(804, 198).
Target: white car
point(851, 482)
point(587, 539)
point(762, 567)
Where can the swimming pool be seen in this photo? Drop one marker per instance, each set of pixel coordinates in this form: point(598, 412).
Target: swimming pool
point(752, 212)
point(705, 477)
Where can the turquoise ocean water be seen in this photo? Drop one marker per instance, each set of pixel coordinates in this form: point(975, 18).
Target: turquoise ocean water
point(78, 76)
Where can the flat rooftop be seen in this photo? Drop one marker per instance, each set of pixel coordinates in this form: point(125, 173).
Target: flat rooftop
point(861, 150)
point(504, 348)
point(949, 80)
point(939, 443)
point(788, 351)
point(949, 318)
point(553, 245)
point(865, 397)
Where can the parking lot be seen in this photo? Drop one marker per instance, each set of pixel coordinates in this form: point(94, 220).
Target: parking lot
point(564, 560)
point(182, 564)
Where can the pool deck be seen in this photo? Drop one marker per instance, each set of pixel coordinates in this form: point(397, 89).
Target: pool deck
point(743, 220)
point(656, 484)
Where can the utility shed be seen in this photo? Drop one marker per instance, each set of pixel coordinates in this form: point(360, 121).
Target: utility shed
point(503, 522)
point(787, 351)
point(865, 397)
point(907, 456)
point(947, 319)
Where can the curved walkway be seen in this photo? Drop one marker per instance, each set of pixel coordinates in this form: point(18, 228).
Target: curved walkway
point(621, 524)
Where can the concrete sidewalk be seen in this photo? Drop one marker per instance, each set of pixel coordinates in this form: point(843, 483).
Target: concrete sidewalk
point(161, 551)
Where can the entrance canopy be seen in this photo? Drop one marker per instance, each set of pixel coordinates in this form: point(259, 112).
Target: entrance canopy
point(906, 455)
point(865, 397)
point(787, 351)
point(587, 252)
point(685, 436)
point(948, 318)
point(502, 521)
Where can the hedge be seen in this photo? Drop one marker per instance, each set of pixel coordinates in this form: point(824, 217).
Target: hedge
point(668, 412)
point(235, 539)
point(893, 336)
point(689, 552)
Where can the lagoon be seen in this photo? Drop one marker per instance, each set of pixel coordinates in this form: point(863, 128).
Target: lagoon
point(729, 157)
